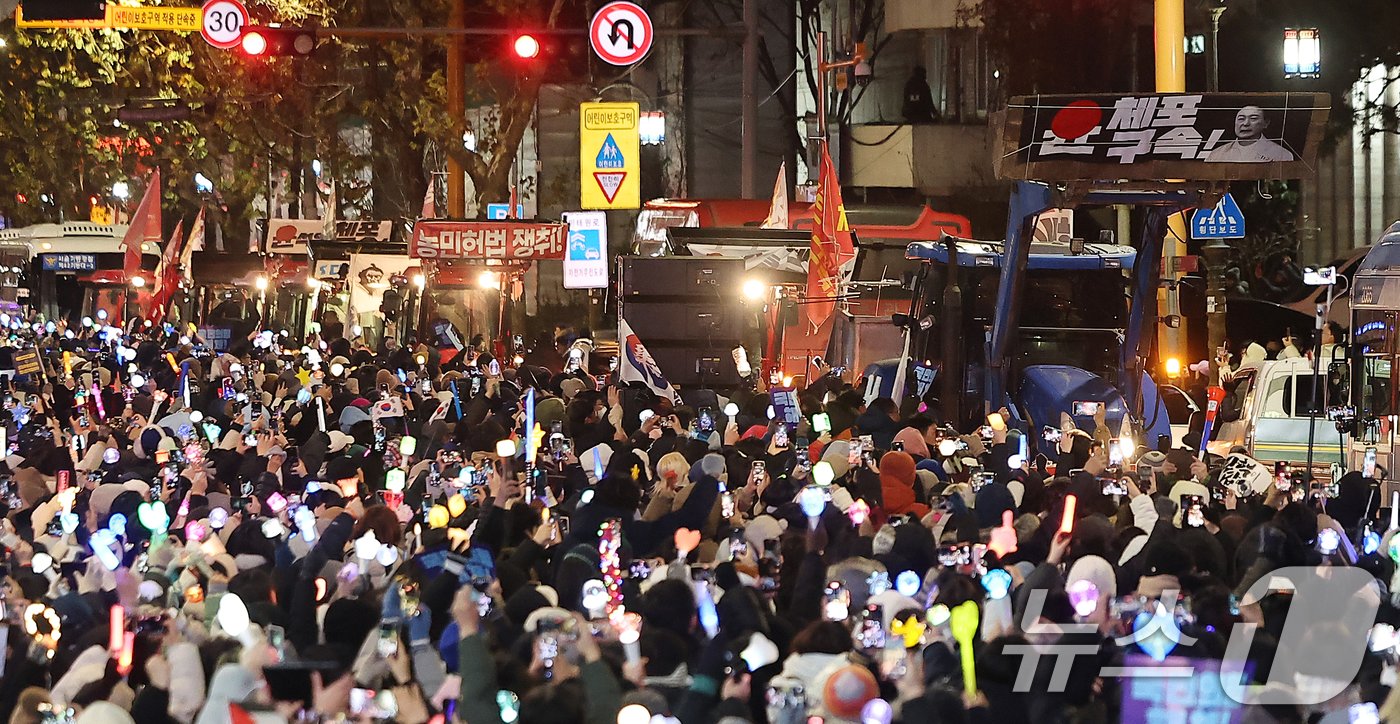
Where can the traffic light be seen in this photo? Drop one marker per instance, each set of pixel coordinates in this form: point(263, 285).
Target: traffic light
point(267, 41)
point(64, 9)
point(526, 46)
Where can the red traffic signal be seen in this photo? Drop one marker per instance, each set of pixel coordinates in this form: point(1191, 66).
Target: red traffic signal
point(254, 42)
point(526, 46)
point(266, 41)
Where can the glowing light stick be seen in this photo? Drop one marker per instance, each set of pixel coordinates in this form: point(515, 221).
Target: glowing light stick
point(185, 382)
point(963, 621)
point(456, 399)
point(1083, 597)
point(321, 413)
point(610, 563)
point(1067, 521)
point(907, 583)
point(97, 400)
point(101, 542)
point(306, 523)
point(117, 624)
point(629, 633)
point(859, 512)
point(49, 639)
point(813, 502)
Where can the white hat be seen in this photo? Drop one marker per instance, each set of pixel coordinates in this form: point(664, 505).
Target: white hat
point(338, 441)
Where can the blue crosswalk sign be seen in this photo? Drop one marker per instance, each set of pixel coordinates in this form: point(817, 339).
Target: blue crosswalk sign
point(610, 155)
point(1225, 221)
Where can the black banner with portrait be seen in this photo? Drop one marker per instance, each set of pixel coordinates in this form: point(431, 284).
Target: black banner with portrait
point(1192, 136)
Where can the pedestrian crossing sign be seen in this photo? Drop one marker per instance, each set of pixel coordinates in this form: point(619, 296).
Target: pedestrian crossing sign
point(1224, 221)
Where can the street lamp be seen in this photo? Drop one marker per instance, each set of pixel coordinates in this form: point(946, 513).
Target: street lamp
point(1302, 53)
point(120, 190)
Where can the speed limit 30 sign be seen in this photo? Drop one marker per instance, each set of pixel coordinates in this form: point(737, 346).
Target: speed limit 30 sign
point(621, 33)
point(223, 23)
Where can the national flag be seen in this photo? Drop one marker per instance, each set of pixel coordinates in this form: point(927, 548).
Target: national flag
point(831, 244)
point(637, 364)
point(145, 227)
point(778, 210)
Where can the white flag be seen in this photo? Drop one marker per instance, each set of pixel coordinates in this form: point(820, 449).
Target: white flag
point(638, 366)
point(778, 210)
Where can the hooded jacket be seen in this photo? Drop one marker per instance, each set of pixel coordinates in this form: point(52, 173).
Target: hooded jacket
point(897, 485)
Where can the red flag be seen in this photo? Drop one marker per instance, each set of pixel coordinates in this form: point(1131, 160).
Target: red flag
point(831, 244)
point(167, 275)
point(145, 227)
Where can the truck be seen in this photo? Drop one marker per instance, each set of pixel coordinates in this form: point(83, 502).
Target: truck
point(1039, 327)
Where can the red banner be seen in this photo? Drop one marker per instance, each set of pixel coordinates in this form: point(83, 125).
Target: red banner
point(831, 244)
point(487, 240)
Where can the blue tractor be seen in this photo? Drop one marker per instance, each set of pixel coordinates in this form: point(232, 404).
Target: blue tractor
point(1039, 325)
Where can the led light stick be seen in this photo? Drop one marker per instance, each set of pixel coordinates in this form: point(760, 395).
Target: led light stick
point(813, 502)
point(49, 639)
point(117, 624)
point(321, 412)
point(97, 401)
point(629, 633)
point(610, 563)
point(1083, 597)
point(185, 382)
point(1067, 521)
point(963, 621)
point(456, 399)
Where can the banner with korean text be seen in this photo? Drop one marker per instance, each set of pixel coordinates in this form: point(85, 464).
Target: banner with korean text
point(487, 240)
point(1192, 136)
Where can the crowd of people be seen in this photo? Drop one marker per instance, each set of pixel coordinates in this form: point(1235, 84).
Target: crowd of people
point(279, 532)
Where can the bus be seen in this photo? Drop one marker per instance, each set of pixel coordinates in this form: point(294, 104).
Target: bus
point(1368, 373)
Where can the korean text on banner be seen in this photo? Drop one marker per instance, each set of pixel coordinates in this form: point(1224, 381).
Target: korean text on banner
point(518, 240)
point(1210, 136)
point(609, 156)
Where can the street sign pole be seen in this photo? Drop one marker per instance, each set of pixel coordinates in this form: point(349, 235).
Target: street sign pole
point(1215, 225)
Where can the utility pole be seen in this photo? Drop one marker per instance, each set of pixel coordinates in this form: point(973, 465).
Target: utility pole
point(456, 107)
point(1213, 82)
point(1169, 31)
point(749, 113)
